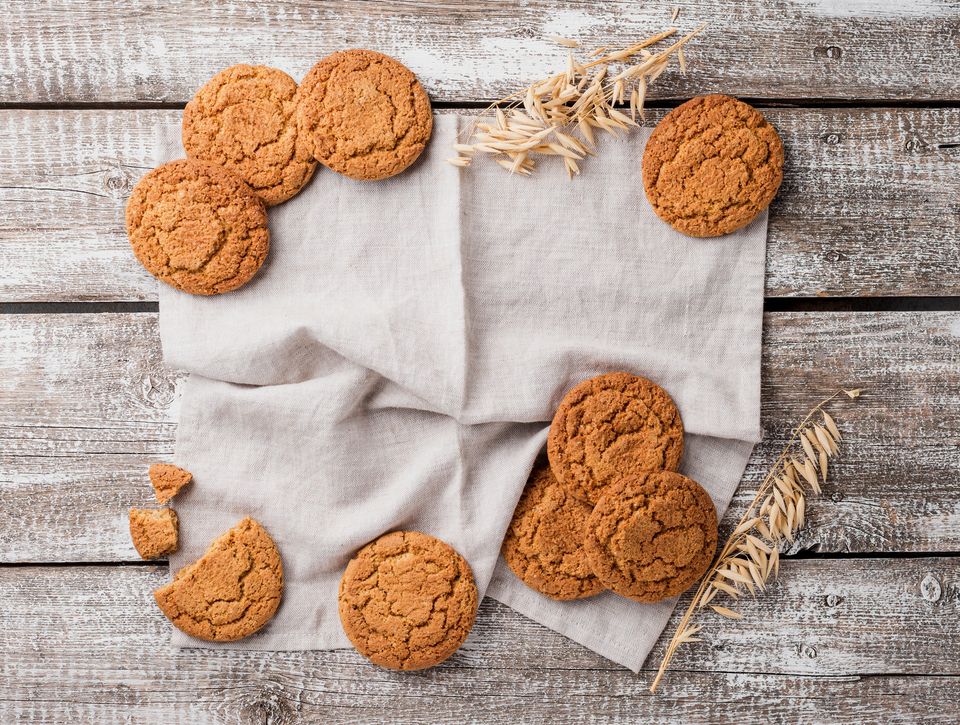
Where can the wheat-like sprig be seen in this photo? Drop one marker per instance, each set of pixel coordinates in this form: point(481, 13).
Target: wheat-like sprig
point(751, 555)
point(541, 119)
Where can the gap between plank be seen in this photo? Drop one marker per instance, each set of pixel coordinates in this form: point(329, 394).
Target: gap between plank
point(758, 101)
point(807, 555)
point(770, 304)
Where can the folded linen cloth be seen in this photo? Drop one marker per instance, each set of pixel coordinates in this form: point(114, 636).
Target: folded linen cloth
point(396, 363)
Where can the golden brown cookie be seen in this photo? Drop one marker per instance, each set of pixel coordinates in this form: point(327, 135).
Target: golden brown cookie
point(244, 120)
point(197, 227)
point(612, 426)
point(712, 165)
point(544, 544)
point(364, 114)
point(407, 601)
point(652, 536)
point(167, 480)
point(229, 593)
point(154, 532)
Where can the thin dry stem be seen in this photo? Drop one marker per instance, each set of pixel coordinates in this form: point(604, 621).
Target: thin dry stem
point(751, 555)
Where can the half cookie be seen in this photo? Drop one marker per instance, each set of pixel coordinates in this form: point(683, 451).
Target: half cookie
point(544, 544)
point(407, 601)
point(230, 592)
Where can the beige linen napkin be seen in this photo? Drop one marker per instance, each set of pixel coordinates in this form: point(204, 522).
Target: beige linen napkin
point(396, 362)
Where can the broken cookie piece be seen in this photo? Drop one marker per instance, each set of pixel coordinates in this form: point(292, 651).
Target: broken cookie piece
point(167, 480)
point(229, 593)
point(154, 532)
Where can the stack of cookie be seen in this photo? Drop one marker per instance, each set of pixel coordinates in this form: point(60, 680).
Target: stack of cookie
point(253, 139)
point(609, 510)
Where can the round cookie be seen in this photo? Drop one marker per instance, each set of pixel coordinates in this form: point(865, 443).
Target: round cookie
point(244, 119)
point(229, 593)
point(652, 536)
point(611, 426)
point(712, 165)
point(363, 114)
point(407, 601)
point(197, 227)
point(544, 544)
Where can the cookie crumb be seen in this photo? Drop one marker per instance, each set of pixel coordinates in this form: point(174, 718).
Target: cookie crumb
point(167, 480)
point(154, 532)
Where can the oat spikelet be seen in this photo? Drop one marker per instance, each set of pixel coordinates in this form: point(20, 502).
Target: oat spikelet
point(689, 634)
point(565, 42)
point(581, 99)
point(728, 613)
point(750, 558)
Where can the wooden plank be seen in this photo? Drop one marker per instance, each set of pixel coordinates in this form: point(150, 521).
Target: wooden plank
point(117, 52)
point(868, 205)
point(88, 405)
point(835, 641)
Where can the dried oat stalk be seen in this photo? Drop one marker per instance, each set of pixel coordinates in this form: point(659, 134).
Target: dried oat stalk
point(751, 556)
point(560, 116)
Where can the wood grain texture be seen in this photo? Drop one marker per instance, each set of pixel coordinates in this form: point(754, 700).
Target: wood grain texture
point(85, 644)
point(869, 203)
point(88, 406)
point(869, 207)
point(149, 52)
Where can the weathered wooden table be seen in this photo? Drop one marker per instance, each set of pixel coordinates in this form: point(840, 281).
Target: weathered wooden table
point(863, 289)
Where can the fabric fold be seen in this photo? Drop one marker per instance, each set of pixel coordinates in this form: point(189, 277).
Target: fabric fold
point(396, 363)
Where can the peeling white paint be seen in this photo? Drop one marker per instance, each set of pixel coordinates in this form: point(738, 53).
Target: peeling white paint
point(571, 23)
point(876, 8)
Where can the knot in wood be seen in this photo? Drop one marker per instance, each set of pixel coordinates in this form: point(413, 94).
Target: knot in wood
point(930, 588)
point(832, 52)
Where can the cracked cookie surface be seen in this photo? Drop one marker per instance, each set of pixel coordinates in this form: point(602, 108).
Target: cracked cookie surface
point(167, 480)
point(197, 227)
point(612, 426)
point(544, 543)
point(232, 591)
point(244, 119)
point(652, 536)
point(154, 532)
point(363, 114)
point(407, 601)
point(712, 165)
